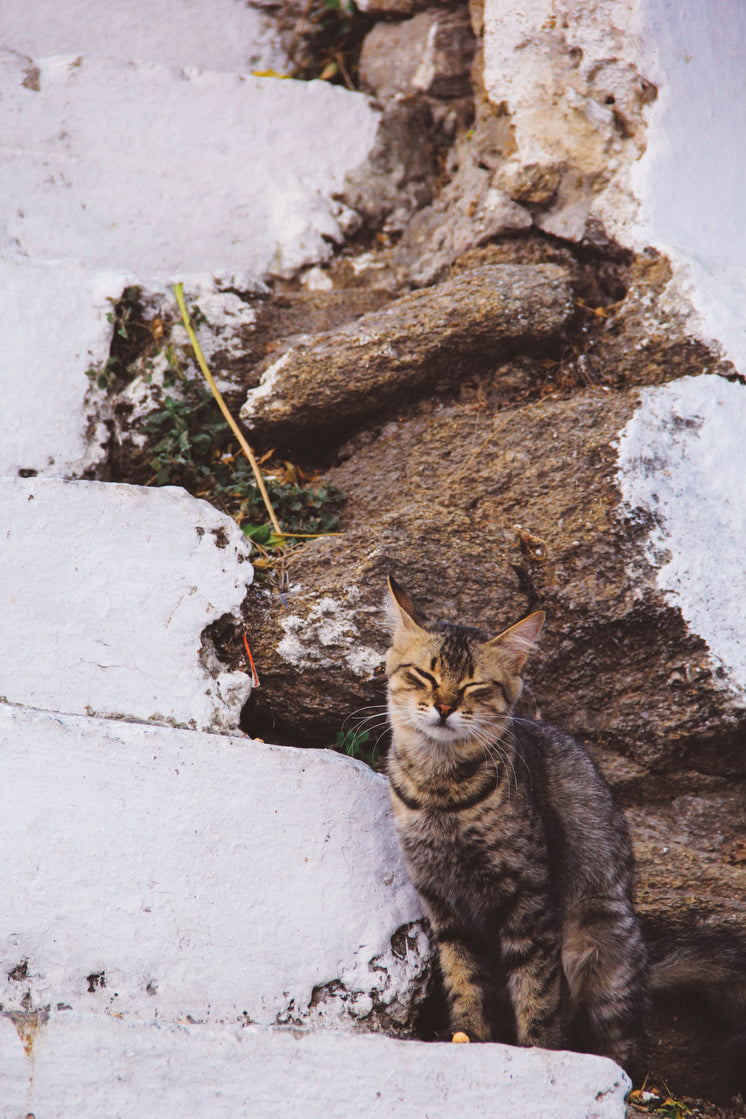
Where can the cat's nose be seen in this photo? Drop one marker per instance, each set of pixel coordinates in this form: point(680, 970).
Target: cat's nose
point(444, 710)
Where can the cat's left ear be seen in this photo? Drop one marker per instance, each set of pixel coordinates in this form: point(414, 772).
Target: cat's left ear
point(516, 643)
point(401, 610)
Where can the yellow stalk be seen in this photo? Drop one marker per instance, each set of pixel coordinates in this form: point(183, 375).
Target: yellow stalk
point(179, 293)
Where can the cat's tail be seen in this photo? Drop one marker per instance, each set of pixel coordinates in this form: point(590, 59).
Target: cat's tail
point(707, 963)
point(707, 967)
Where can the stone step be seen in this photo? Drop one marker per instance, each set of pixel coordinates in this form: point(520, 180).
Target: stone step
point(221, 35)
point(76, 1064)
point(166, 873)
point(55, 330)
point(106, 594)
point(172, 173)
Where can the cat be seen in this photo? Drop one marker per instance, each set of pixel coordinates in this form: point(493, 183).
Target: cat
point(518, 851)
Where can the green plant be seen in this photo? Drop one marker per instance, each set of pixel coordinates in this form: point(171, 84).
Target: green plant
point(105, 373)
point(191, 445)
point(131, 335)
point(356, 744)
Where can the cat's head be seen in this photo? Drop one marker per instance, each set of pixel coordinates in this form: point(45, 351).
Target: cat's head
point(452, 683)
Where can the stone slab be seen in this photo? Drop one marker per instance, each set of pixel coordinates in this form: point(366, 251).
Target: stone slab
point(73, 1065)
point(54, 328)
point(221, 35)
point(170, 173)
point(106, 591)
point(166, 873)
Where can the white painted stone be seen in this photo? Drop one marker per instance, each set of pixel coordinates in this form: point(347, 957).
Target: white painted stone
point(563, 69)
point(219, 35)
point(203, 876)
point(118, 1070)
point(168, 173)
point(123, 1070)
point(690, 178)
point(106, 590)
point(331, 626)
point(54, 328)
point(671, 178)
point(682, 458)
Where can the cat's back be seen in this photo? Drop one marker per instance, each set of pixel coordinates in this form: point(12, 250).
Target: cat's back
point(587, 835)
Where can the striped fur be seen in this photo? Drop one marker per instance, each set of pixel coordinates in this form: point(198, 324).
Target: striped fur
point(515, 845)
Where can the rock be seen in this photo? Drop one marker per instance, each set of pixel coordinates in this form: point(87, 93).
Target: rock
point(270, 189)
point(469, 211)
point(486, 517)
point(216, 1072)
point(575, 99)
point(426, 337)
point(400, 175)
point(109, 592)
point(429, 54)
point(232, 881)
point(393, 7)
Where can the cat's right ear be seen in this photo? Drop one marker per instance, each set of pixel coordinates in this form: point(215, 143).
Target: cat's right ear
point(401, 610)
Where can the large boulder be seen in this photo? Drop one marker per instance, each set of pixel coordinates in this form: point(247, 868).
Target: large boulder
point(486, 516)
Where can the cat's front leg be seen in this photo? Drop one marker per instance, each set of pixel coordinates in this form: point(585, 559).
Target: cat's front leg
point(535, 988)
point(461, 974)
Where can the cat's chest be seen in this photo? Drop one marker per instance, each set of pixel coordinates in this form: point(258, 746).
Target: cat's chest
point(458, 847)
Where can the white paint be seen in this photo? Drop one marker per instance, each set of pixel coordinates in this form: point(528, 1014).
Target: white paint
point(54, 328)
point(261, 396)
point(682, 458)
point(221, 35)
point(674, 180)
point(174, 173)
point(690, 178)
point(555, 64)
point(124, 1070)
point(328, 633)
point(106, 590)
point(229, 877)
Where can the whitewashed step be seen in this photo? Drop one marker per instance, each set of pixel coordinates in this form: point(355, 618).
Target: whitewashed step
point(77, 1065)
point(221, 35)
point(167, 173)
point(172, 874)
point(105, 594)
point(54, 329)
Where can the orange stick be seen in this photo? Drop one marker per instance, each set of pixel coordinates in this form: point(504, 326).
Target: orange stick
point(251, 662)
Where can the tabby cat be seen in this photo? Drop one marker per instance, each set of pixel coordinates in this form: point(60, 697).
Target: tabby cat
point(515, 845)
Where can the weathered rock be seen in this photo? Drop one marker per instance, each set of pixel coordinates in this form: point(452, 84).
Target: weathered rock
point(57, 1066)
point(469, 212)
point(471, 209)
point(232, 881)
point(400, 174)
point(487, 516)
point(437, 335)
point(108, 593)
point(575, 101)
point(392, 7)
point(430, 54)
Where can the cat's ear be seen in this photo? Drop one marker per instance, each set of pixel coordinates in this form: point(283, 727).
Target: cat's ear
point(516, 643)
point(401, 610)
